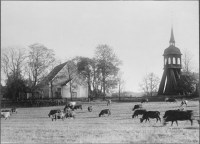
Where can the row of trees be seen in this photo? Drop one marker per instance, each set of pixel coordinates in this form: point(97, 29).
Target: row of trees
point(26, 71)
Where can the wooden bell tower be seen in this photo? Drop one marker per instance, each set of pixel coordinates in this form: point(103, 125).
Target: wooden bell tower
point(172, 69)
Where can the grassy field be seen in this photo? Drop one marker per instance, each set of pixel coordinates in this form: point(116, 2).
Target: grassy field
point(32, 125)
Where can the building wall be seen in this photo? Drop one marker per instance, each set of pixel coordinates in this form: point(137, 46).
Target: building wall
point(62, 76)
point(81, 91)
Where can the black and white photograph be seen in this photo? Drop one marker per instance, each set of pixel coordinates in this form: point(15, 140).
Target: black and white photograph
point(100, 72)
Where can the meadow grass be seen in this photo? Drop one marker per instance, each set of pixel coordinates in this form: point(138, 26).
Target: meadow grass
point(32, 125)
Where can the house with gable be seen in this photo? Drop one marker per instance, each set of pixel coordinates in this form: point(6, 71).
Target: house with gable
point(57, 84)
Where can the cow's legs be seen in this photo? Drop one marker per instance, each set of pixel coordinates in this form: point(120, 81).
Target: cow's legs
point(176, 122)
point(191, 121)
point(172, 123)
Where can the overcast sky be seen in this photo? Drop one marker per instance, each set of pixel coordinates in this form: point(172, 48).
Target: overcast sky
point(138, 31)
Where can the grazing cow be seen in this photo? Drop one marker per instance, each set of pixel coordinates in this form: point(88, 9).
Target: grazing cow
point(184, 102)
point(169, 112)
point(5, 114)
point(72, 103)
point(108, 102)
point(170, 100)
point(14, 109)
point(105, 111)
point(70, 114)
point(198, 121)
point(150, 114)
point(52, 112)
point(137, 107)
point(175, 115)
point(7, 111)
point(59, 115)
point(78, 107)
point(144, 100)
point(90, 108)
point(138, 112)
point(68, 106)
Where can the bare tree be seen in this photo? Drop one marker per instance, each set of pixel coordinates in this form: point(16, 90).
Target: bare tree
point(39, 60)
point(12, 62)
point(187, 61)
point(121, 83)
point(150, 84)
point(108, 63)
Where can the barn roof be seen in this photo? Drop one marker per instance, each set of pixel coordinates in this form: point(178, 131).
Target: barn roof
point(55, 71)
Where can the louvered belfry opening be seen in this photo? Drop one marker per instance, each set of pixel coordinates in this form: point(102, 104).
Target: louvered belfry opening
point(172, 69)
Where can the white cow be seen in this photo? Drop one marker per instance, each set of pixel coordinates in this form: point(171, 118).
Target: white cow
point(72, 104)
point(184, 102)
point(60, 115)
point(5, 114)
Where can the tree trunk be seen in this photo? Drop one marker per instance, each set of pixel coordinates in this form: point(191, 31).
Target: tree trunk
point(119, 93)
point(51, 90)
point(70, 90)
point(104, 91)
point(89, 92)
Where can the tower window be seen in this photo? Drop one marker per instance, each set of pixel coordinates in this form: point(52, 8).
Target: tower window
point(165, 61)
point(174, 60)
point(178, 61)
point(169, 61)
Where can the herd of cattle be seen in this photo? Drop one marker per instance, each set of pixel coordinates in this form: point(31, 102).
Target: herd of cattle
point(170, 115)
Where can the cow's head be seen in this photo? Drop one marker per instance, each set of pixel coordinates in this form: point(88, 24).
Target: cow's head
point(141, 120)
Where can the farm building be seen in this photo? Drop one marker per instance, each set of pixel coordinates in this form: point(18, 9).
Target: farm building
point(58, 81)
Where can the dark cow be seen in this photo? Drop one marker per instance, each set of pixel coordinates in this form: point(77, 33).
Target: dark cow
point(170, 100)
point(175, 115)
point(138, 112)
point(169, 112)
point(184, 102)
point(137, 107)
point(150, 114)
point(52, 112)
point(14, 109)
point(90, 108)
point(78, 107)
point(105, 111)
point(144, 100)
point(68, 106)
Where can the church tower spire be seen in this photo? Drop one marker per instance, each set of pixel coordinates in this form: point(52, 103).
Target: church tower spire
point(172, 41)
